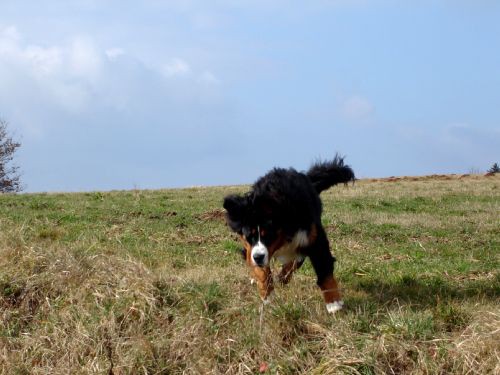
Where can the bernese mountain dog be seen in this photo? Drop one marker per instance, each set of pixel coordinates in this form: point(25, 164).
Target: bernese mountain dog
point(280, 218)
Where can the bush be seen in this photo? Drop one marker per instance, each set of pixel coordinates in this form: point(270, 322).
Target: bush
point(9, 174)
point(494, 169)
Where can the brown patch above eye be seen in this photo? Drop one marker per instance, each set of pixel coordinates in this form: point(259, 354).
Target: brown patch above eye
point(262, 232)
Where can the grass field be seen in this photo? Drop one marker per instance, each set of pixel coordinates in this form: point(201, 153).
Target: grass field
point(151, 282)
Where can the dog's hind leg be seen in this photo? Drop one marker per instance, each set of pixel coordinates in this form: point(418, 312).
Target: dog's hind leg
point(323, 262)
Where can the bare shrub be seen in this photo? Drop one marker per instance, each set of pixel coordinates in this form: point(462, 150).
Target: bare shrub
point(9, 174)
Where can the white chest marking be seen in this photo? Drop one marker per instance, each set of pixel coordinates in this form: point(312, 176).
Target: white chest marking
point(288, 252)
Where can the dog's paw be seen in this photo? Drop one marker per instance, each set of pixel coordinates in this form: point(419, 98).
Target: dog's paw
point(334, 306)
point(252, 281)
point(267, 300)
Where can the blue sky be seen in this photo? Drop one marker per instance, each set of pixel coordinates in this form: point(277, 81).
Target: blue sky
point(108, 94)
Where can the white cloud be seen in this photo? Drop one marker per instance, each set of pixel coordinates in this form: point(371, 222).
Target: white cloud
point(9, 37)
point(76, 76)
point(209, 78)
point(40, 60)
point(357, 108)
point(44, 61)
point(467, 135)
point(114, 53)
point(59, 76)
point(84, 58)
point(176, 67)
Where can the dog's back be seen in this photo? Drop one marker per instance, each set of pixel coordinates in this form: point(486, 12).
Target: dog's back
point(291, 196)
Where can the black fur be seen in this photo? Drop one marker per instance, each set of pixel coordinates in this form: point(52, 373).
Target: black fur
point(328, 173)
point(237, 208)
point(289, 199)
point(321, 259)
point(285, 201)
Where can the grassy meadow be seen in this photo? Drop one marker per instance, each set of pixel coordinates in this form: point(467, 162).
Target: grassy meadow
point(152, 282)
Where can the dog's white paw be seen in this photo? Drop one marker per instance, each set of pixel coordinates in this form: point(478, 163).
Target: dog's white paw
point(267, 300)
point(334, 306)
point(252, 281)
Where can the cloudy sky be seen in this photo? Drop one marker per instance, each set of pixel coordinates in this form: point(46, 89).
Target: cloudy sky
point(117, 94)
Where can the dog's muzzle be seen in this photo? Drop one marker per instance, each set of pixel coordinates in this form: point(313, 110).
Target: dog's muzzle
point(259, 259)
point(260, 255)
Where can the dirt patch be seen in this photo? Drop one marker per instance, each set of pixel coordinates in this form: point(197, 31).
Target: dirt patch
point(163, 215)
point(432, 177)
point(160, 215)
point(217, 214)
point(387, 257)
point(393, 179)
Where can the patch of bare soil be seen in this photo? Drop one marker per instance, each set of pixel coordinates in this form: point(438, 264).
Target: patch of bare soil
point(217, 214)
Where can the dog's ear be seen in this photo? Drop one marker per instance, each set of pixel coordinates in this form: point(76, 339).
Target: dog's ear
point(237, 209)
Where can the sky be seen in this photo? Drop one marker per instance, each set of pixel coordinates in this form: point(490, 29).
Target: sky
point(120, 94)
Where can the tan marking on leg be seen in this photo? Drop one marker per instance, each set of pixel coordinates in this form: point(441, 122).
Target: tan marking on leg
point(264, 279)
point(330, 289)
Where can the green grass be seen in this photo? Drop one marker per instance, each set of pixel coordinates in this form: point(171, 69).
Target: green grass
point(152, 282)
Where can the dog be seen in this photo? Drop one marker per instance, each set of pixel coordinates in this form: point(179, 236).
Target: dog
point(280, 217)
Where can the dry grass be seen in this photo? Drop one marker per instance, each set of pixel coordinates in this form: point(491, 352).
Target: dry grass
point(152, 283)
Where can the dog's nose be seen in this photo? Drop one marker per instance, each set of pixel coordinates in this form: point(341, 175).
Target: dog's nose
point(259, 259)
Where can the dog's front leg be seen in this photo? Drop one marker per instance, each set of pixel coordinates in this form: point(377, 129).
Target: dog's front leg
point(288, 269)
point(331, 294)
point(264, 279)
point(323, 261)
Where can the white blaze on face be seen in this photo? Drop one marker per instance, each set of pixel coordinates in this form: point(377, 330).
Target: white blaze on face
point(260, 250)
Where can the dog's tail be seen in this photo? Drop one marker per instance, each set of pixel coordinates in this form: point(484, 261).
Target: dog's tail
point(324, 174)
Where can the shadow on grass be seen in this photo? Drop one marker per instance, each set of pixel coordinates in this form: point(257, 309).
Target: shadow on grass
point(428, 292)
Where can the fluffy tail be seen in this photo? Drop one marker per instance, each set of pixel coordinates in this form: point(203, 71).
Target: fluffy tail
point(324, 174)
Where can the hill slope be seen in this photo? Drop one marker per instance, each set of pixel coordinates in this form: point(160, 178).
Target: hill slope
point(152, 282)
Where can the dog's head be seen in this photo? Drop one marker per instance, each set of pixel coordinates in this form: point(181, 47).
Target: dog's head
point(259, 229)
